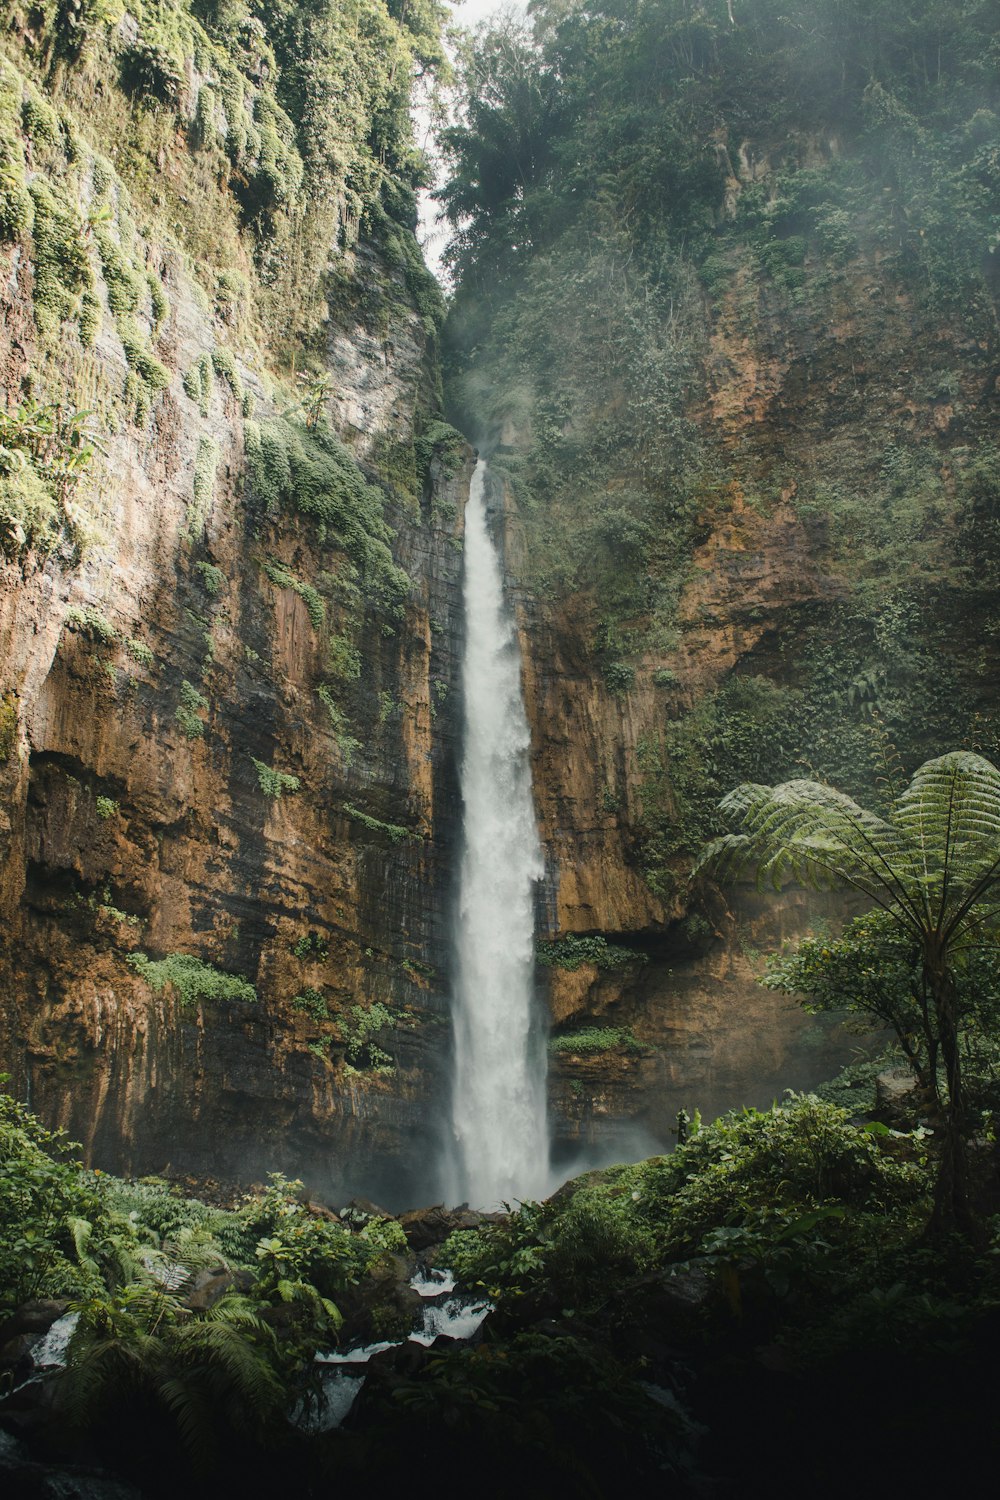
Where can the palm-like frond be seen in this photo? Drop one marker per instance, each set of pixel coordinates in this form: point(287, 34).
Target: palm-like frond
point(931, 864)
point(222, 1364)
point(950, 812)
point(805, 831)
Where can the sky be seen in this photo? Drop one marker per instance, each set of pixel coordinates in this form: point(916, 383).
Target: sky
point(431, 235)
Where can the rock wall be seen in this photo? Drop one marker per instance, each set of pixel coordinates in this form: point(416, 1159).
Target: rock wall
point(222, 741)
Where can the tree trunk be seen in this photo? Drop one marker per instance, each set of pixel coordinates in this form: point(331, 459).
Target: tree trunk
point(952, 1210)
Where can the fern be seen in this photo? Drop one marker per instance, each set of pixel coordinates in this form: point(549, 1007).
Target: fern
point(933, 866)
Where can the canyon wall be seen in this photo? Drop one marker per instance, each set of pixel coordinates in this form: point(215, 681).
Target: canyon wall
point(228, 651)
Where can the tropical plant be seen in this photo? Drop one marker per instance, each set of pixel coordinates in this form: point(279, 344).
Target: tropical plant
point(932, 864)
point(873, 969)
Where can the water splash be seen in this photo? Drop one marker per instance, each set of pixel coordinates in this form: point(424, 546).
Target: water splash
point(498, 1106)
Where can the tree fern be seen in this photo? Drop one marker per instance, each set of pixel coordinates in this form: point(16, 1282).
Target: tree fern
point(932, 864)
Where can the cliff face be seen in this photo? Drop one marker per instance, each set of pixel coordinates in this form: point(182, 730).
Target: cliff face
point(745, 477)
point(129, 828)
point(228, 661)
point(677, 1020)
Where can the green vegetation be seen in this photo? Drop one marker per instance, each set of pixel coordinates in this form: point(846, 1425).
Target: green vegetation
point(311, 945)
point(191, 979)
point(631, 220)
point(572, 951)
point(203, 488)
point(225, 367)
point(275, 784)
point(198, 383)
point(188, 711)
point(394, 832)
point(46, 451)
point(441, 443)
point(931, 867)
point(359, 1031)
point(8, 726)
point(295, 119)
point(593, 1039)
point(309, 472)
point(213, 579)
point(92, 622)
point(107, 808)
point(139, 651)
point(312, 1003)
point(346, 742)
point(211, 1376)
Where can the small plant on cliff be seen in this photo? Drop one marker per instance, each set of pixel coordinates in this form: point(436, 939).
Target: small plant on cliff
point(394, 832)
point(187, 711)
point(45, 453)
point(191, 978)
point(91, 622)
point(312, 1003)
point(275, 784)
point(311, 945)
point(213, 580)
point(596, 1039)
point(359, 1035)
point(572, 951)
point(315, 394)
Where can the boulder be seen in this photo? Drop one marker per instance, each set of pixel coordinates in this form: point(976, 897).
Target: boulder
point(425, 1227)
point(210, 1285)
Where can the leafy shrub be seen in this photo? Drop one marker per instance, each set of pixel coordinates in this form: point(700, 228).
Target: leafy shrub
point(191, 978)
point(359, 1031)
point(310, 472)
point(311, 945)
point(571, 952)
point(596, 1039)
point(92, 622)
point(187, 711)
point(213, 579)
point(312, 1003)
point(47, 1209)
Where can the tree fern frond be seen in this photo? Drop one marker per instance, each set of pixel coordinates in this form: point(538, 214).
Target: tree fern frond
point(214, 1349)
point(194, 1419)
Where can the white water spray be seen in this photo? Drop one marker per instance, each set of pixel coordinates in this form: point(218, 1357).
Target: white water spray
point(498, 1107)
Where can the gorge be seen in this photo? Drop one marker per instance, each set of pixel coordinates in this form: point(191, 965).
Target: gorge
point(231, 717)
point(375, 653)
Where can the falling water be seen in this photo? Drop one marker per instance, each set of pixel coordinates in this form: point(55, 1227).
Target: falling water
point(498, 1110)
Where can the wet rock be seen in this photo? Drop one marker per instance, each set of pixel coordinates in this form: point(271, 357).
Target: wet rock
point(897, 1095)
point(425, 1227)
point(385, 1305)
point(210, 1285)
point(32, 1318)
point(358, 1212)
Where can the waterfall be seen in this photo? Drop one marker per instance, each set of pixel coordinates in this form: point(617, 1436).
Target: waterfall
point(498, 1105)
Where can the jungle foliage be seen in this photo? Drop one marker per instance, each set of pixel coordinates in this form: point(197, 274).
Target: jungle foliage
point(154, 1363)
